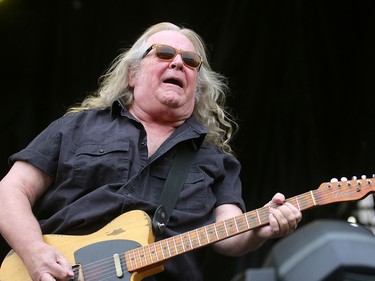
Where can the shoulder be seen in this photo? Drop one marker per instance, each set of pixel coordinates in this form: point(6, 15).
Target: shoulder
point(85, 114)
point(211, 154)
point(87, 117)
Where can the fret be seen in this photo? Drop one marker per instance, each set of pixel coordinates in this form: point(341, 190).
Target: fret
point(265, 212)
point(194, 239)
point(165, 248)
point(304, 201)
point(188, 241)
point(147, 256)
point(243, 225)
point(204, 238)
point(142, 256)
point(156, 252)
point(150, 255)
point(168, 248)
point(216, 232)
point(313, 198)
point(217, 237)
point(132, 263)
point(221, 230)
point(175, 245)
point(231, 227)
point(253, 219)
point(180, 246)
point(247, 221)
point(298, 206)
point(235, 224)
point(225, 228)
point(198, 238)
point(258, 217)
point(138, 257)
point(209, 233)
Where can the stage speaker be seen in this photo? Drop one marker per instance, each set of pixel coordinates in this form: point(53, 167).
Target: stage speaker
point(325, 250)
point(256, 274)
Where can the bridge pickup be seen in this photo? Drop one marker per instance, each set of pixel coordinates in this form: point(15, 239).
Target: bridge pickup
point(118, 267)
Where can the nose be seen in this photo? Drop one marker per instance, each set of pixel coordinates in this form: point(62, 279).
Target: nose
point(177, 62)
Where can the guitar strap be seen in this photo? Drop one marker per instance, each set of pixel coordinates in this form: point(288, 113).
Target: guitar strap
point(173, 185)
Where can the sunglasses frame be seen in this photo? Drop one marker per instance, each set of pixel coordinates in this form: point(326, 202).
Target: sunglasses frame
point(177, 51)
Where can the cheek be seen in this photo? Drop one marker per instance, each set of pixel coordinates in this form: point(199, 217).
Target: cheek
point(139, 77)
point(191, 96)
point(192, 89)
point(145, 87)
point(148, 77)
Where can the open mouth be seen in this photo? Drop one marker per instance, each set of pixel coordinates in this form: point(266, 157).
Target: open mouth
point(174, 82)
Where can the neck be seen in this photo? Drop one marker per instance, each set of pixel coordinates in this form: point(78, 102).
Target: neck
point(161, 118)
point(157, 130)
point(156, 135)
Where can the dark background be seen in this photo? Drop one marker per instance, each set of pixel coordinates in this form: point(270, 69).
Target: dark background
point(302, 76)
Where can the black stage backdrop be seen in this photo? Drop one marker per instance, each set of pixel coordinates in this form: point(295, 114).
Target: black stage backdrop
point(301, 72)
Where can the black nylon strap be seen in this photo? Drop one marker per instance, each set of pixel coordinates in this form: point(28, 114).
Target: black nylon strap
point(173, 185)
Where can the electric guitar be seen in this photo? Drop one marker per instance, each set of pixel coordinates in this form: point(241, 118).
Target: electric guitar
point(125, 249)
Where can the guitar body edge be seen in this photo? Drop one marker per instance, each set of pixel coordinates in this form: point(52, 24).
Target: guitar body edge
point(134, 225)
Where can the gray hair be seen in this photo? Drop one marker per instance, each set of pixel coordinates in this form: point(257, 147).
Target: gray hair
point(210, 91)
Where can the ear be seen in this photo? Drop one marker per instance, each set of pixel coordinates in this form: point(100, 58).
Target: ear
point(131, 77)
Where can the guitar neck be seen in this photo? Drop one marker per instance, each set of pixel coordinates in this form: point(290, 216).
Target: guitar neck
point(158, 252)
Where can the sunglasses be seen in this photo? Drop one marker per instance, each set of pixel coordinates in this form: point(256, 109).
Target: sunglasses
point(168, 53)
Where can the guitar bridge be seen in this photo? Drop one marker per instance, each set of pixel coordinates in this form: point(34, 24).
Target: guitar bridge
point(78, 274)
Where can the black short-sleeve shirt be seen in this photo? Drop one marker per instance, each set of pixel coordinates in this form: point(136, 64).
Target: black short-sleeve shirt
point(100, 167)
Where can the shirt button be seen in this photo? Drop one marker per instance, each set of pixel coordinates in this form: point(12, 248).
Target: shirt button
point(101, 150)
point(143, 143)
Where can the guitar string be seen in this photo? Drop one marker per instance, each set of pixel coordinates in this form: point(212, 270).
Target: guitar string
point(102, 268)
point(331, 194)
point(241, 223)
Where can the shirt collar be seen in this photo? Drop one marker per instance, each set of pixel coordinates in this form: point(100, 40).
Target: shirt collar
point(197, 129)
point(116, 108)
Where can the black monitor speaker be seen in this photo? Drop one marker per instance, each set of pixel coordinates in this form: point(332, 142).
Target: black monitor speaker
point(256, 274)
point(325, 250)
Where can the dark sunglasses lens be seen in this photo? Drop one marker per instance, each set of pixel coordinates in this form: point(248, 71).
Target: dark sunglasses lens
point(191, 59)
point(168, 53)
point(165, 52)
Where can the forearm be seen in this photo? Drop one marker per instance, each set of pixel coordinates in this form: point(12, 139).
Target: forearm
point(19, 189)
point(239, 245)
point(17, 222)
point(18, 192)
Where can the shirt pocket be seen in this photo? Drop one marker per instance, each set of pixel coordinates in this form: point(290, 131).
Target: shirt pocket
point(99, 164)
point(194, 193)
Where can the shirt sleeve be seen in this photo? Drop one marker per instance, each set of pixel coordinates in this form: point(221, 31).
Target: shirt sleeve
point(43, 150)
point(229, 189)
